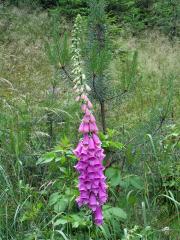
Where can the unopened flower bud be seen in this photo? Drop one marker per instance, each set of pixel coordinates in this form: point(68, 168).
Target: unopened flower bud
point(87, 88)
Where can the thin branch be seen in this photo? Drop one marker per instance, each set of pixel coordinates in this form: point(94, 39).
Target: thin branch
point(118, 95)
point(162, 120)
point(66, 73)
point(94, 87)
point(109, 163)
point(102, 106)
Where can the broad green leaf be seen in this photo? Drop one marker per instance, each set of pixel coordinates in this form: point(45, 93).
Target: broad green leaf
point(115, 212)
point(40, 160)
point(61, 205)
point(110, 172)
point(63, 169)
point(75, 224)
point(57, 159)
point(118, 212)
point(63, 159)
point(60, 222)
point(114, 176)
point(58, 149)
point(54, 198)
point(136, 182)
point(116, 145)
point(46, 158)
point(76, 218)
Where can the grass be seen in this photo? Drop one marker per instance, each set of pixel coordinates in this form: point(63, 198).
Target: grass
point(157, 72)
point(150, 198)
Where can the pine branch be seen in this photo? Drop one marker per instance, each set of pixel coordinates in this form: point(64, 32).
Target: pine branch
point(110, 161)
point(94, 88)
point(162, 120)
point(66, 73)
point(117, 96)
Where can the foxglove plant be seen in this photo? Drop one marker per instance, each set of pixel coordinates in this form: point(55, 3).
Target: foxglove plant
point(92, 186)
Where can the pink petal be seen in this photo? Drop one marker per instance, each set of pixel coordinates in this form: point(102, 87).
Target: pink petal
point(84, 108)
point(89, 104)
point(91, 143)
point(98, 217)
point(93, 127)
point(86, 128)
point(92, 118)
point(86, 119)
point(87, 113)
point(96, 138)
point(86, 139)
point(81, 127)
point(92, 200)
point(84, 97)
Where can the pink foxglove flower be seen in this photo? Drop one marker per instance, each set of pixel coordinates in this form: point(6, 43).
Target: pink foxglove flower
point(92, 186)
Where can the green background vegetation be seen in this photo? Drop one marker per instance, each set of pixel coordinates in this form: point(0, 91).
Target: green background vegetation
point(39, 119)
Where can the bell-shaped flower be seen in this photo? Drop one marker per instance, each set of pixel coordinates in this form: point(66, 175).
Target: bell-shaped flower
point(98, 216)
point(92, 186)
point(93, 127)
point(92, 118)
point(91, 144)
point(89, 104)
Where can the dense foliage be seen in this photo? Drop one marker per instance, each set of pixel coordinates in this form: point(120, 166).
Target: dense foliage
point(134, 80)
point(135, 14)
